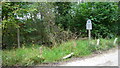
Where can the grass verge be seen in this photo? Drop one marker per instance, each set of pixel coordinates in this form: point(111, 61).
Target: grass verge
point(28, 56)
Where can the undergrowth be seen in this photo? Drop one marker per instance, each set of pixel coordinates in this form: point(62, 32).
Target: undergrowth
point(28, 56)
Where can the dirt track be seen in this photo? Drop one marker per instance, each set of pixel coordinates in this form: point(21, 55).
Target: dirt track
point(109, 58)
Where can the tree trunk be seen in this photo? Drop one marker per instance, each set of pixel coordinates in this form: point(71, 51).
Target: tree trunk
point(18, 37)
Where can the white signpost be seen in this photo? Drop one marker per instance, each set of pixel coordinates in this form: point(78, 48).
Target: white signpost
point(89, 27)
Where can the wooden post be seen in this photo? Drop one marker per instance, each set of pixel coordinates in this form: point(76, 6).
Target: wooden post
point(98, 42)
point(89, 34)
point(40, 50)
point(18, 37)
point(115, 41)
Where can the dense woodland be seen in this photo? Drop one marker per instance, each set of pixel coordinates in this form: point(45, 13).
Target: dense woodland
point(53, 23)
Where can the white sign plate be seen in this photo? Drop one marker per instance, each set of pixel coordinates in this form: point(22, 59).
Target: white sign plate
point(89, 25)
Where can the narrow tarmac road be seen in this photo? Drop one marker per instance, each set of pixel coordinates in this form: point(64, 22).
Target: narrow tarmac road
point(105, 59)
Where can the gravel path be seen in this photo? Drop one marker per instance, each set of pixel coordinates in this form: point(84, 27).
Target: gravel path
point(105, 59)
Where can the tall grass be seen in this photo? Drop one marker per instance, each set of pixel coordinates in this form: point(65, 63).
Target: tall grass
point(31, 55)
point(21, 56)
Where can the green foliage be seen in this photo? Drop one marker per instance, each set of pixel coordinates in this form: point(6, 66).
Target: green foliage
point(34, 29)
point(10, 23)
point(54, 27)
point(104, 16)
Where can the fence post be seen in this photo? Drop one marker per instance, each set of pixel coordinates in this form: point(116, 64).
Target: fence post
point(98, 42)
point(115, 41)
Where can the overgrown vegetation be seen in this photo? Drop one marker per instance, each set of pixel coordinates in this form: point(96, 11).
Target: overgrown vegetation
point(53, 23)
point(104, 16)
point(56, 27)
point(28, 56)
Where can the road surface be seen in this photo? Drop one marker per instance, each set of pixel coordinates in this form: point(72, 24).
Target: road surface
point(105, 59)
